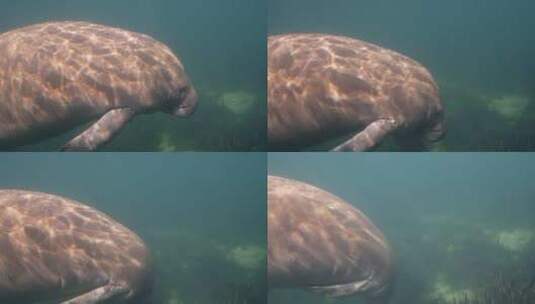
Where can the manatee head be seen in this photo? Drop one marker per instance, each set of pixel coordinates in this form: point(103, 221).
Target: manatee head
point(424, 136)
point(181, 101)
point(171, 88)
point(187, 102)
point(436, 129)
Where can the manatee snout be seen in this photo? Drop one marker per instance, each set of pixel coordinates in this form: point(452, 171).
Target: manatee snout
point(424, 137)
point(437, 130)
point(188, 104)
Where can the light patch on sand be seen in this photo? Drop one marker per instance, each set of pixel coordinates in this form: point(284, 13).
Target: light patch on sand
point(168, 143)
point(165, 143)
point(248, 257)
point(510, 107)
point(239, 102)
point(443, 291)
point(452, 248)
point(514, 240)
point(174, 298)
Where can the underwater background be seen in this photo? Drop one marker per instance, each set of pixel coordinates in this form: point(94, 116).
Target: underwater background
point(222, 45)
point(461, 225)
point(480, 53)
point(202, 215)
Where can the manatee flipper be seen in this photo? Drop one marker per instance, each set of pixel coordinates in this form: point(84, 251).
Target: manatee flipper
point(341, 289)
point(99, 295)
point(101, 131)
point(368, 138)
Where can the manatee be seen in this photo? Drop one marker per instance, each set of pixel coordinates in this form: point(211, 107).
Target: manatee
point(56, 250)
point(318, 242)
point(321, 87)
point(58, 75)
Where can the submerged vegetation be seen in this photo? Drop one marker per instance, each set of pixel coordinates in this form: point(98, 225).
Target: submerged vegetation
point(500, 290)
point(196, 269)
point(456, 262)
point(482, 120)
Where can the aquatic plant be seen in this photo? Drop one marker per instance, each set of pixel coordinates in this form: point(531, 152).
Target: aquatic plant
point(501, 290)
point(455, 256)
point(198, 268)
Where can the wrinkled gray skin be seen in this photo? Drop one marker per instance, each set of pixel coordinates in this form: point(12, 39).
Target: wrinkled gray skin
point(322, 87)
point(58, 75)
point(318, 242)
point(55, 250)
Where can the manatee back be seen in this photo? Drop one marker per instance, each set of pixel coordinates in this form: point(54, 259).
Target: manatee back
point(323, 85)
point(315, 239)
point(54, 248)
